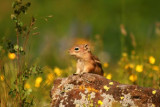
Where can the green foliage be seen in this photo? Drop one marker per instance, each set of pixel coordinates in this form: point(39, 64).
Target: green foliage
point(19, 8)
point(23, 70)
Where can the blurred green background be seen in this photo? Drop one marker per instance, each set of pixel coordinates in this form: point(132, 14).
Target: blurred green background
point(122, 33)
point(84, 19)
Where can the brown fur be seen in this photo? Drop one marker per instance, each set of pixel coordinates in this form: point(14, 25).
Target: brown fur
point(86, 61)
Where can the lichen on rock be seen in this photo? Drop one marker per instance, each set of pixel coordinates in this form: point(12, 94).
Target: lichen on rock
point(92, 90)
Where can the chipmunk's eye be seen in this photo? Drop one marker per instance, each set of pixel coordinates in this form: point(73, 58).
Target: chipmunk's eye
point(76, 49)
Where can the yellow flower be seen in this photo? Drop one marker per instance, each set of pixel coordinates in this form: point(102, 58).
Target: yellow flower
point(38, 81)
point(57, 71)
point(27, 86)
point(109, 76)
point(139, 68)
point(126, 67)
point(124, 54)
point(131, 66)
point(133, 78)
point(12, 56)
point(1, 77)
point(50, 78)
point(106, 88)
point(110, 83)
point(100, 102)
point(152, 60)
point(155, 68)
point(122, 98)
point(154, 92)
point(105, 65)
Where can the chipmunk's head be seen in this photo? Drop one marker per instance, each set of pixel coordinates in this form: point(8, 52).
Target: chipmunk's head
point(79, 50)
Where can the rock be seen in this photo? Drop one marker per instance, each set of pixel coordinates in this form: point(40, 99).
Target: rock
point(92, 90)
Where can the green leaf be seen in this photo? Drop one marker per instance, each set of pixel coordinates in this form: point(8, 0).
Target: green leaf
point(16, 47)
point(14, 4)
point(13, 17)
point(20, 24)
point(17, 12)
point(34, 69)
point(28, 4)
point(12, 93)
point(21, 49)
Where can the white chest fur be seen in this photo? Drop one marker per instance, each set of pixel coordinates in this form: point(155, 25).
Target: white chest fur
point(80, 66)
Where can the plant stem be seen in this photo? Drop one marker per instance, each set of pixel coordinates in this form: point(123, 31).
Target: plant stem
point(18, 57)
point(27, 35)
point(18, 80)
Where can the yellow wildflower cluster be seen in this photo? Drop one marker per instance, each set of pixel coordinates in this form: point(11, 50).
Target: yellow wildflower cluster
point(38, 81)
point(57, 71)
point(139, 68)
point(11, 56)
point(137, 65)
point(133, 78)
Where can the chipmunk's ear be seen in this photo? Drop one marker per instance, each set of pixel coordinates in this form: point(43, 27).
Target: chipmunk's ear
point(86, 46)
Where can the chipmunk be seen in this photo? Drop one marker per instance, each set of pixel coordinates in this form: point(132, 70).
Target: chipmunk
point(86, 61)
